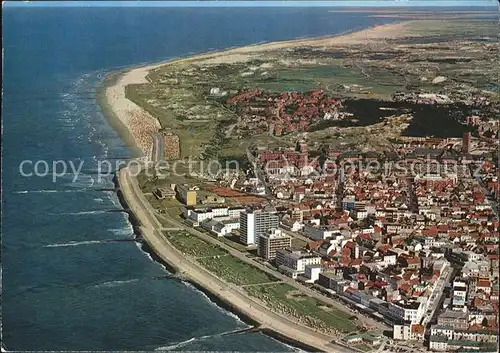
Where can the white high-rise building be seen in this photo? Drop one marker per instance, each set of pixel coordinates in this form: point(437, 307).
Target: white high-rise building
point(255, 223)
point(459, 294)
point(271, 241)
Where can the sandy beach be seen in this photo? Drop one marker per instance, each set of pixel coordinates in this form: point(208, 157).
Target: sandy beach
point(139, 124)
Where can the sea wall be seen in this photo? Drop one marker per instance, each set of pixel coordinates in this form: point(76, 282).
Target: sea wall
point(217, 298)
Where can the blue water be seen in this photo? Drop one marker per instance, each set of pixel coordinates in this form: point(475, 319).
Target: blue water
point(63, 289)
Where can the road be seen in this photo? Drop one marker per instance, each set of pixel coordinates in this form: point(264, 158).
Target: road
point(233, 295)
point(436, 295)
point(157, 153)
point(366, 321)
point(285, 279)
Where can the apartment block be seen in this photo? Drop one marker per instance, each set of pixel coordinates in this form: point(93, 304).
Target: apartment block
point(269, 243)
point(254, 223)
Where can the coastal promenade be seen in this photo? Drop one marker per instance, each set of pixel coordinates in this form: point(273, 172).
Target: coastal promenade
point(362, 320)
point(232, 295)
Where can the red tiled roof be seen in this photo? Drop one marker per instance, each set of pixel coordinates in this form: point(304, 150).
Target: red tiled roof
point(415, 281)
point(413, 260)
point(483, 284)
point(417, 329)
point(314, 244)
point(350, 245)
point(356, 262)
point(405, 287)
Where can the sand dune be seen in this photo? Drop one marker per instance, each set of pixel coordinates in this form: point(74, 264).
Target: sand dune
point(141, 124)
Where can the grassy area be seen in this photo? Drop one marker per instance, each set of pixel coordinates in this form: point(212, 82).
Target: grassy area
point(307, 310)
point(365, 347)
point(147, 183)
point(235, 271)
point(232, 241)
point(298, 243)
point(160, 204)
point(192, 245)
point(164, 222)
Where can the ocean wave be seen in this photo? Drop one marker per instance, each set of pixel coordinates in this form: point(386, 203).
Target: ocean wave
point(176, 345)
point(125, 231)
point(74, 243)
point(195, 339)
point(81, 213)
point(207, 299)
point(113, 197)
point(295, 349)
point(115, 283)
point(47, 191)
point(80, 184)
point(148, 255)
point(190, 286)
point(139, 245)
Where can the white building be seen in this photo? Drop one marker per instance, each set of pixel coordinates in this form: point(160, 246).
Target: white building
point(294, 263)
point(234, 212)
point(438, 343)
point(255, 223)
point(221, 228)
point(312, 273)
point(201, 214)
point(270, 242)
point(292, 226)
point(442, 330)
point(411, 311)
point(389, 259)
point(360, 213)
point(459, 294)
point(413, 332)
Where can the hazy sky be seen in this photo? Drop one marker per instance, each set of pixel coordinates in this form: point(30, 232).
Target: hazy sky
point(342, 3)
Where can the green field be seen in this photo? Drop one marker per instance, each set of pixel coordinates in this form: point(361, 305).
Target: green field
point(285, 298)
point(192, 245)
point(298, 243)
point(233, 242)
point(365, 347)
point(235, 271)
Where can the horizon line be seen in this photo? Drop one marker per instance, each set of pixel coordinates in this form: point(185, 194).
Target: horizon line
point(259, 3)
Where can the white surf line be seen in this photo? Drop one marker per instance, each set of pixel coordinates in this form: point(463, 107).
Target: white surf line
point(75, 243)
point(196, 339)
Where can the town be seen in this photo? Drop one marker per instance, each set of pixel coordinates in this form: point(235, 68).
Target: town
point(408, 238)
point(355, 197)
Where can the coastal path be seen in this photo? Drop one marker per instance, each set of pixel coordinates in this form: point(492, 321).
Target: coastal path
point(231, 294)
point(364, 320)
point(261, 284)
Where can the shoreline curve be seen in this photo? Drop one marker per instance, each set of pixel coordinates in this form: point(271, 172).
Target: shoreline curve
point(118, 110)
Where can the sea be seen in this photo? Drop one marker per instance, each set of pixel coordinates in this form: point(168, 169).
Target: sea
point(72, 276)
